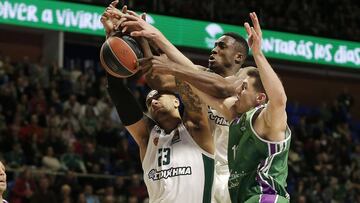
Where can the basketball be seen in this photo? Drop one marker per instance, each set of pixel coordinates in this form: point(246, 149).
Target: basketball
point(118, 55)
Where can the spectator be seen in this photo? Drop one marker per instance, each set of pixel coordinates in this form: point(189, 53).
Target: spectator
point(43, 194)
point(15, 158)
point(73, 161)
point(89, 123)
point(89, 196)
point(136, 188)
point(49, 161)
point(133, 199)
point(71, 180)
point(24, 187)
point(73, 105)
point(65, 194)
point(81, 198)
point(92, 158)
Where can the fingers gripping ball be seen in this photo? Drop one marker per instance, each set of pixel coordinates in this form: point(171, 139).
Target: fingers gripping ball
point(119, 55)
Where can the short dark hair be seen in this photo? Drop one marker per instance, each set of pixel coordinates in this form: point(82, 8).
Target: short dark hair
point(254, 73)
point(243, 45)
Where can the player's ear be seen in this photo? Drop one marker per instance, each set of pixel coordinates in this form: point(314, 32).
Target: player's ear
point(176, 103)
point(239, 58)
point(261, 98)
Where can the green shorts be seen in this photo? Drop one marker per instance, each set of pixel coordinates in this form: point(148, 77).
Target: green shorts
point(267, 199)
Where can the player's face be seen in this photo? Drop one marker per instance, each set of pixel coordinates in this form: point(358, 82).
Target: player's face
point(2, 177)
point(223, 54)
point(247, 95)
point(161, 104)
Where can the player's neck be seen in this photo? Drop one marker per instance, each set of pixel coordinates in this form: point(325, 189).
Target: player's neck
point(228, 72)
point(168, 124)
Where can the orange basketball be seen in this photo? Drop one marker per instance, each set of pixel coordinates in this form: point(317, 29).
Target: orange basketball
point(118, 55)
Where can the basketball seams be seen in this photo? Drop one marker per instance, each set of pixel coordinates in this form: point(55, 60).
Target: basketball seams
point(132, 46)
point(109, 70)
point(122, 41)
point(105, 65)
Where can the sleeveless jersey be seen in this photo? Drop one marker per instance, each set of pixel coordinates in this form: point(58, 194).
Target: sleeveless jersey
point(220, 131)
point(257, 166)
point(176, 169)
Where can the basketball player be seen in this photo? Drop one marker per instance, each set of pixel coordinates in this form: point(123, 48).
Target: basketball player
point(259, 137)
point(226, 59)
point(2, 182)
point(173, 151)
point(176, 154)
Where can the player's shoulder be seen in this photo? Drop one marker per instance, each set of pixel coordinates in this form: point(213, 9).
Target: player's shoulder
point(151, 123)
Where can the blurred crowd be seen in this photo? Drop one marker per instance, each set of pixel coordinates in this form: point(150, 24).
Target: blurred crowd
point(60, 134)
point(334, 19)
point(62, 120)
point(324, 158)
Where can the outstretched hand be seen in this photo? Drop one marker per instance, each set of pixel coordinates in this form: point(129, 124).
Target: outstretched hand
point(163, 65)
point(111, 17)
point(138, 27)
point(254, 33)
point(157, 65)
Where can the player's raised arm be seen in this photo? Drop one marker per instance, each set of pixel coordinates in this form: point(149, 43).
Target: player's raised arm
point(140, 27)
point(129, 112)
point(162, 65)
point(195, 116)
point(195, 111)
point(274, 115)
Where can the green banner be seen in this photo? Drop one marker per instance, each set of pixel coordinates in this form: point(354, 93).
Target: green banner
point(85, 19)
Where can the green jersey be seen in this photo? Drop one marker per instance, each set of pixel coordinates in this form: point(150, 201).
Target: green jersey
point(257, 167)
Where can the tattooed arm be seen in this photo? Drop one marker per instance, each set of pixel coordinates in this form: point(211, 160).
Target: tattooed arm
point(160, 82)
point(195, 117)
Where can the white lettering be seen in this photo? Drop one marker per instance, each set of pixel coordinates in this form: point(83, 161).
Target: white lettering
point(2, 8)
point(96, 22)
point(68, 18)
point(85, 21)
point(31, 14)
point(168, 173)
point(267, 45)
point(357, 56)
point(182, 170)
point(12, 10)
point(60, 16)
point(79, 19)
point(175, 172)
point(75, 18)
point(323, 52)
point(291, 48)
point(21, 10)
point(344, 55)
point(47, 16)
point(309, 53)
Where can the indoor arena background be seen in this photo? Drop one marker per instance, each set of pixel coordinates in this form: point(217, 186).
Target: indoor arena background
point(60, 133)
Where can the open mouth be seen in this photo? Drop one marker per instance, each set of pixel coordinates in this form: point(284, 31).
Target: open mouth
point(211, 59)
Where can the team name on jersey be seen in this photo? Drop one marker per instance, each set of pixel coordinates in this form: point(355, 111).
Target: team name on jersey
point(168, 173)
point(234, 179)
point(219, 120)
